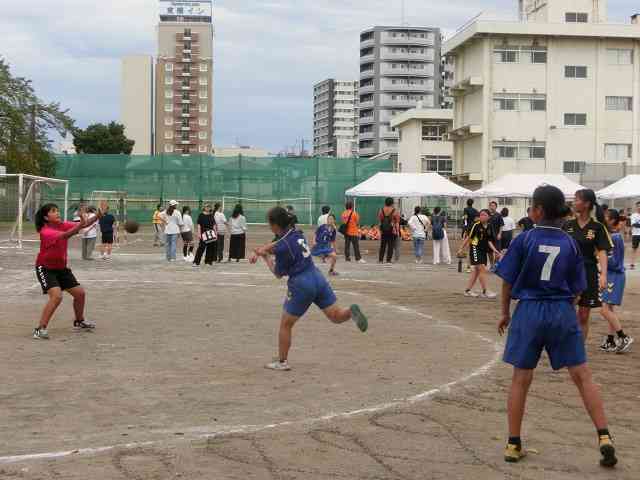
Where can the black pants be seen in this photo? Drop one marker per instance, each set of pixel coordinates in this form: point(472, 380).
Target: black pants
point(220, 243)
point(386, 244)
point(209, 256)
point(355, 241)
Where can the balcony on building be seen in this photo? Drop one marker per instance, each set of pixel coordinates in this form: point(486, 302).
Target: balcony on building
point(466, 86)
point(364, 151)
point(369, 134)
point(367, 70)
point(367, 39)
point(427, 56)
point(402, 38)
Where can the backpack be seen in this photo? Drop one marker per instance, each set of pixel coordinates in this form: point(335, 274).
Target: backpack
point(438, 231)
point(386, 226)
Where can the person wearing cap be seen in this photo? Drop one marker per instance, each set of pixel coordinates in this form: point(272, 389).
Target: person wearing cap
point(172, 219)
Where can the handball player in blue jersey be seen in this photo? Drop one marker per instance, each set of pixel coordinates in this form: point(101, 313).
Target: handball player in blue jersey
point(545, 272)
point(306, 284)
point(325, 245)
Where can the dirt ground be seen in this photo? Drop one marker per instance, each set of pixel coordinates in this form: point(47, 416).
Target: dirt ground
point(172, 384)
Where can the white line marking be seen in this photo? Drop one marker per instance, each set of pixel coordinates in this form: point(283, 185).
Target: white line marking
point(160, 282)
point(201, 433)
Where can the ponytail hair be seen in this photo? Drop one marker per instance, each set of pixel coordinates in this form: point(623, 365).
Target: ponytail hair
point(588, 195)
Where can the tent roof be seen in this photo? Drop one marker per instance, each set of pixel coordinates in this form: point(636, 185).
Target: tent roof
point(524, 184)
point(627, 187)
point(399, 185)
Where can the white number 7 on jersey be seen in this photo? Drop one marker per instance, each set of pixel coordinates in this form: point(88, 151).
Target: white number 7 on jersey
point(553, 253)
point(306, 253)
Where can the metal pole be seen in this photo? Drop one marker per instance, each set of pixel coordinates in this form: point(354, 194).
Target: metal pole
point(20, 206)
point(66, 200)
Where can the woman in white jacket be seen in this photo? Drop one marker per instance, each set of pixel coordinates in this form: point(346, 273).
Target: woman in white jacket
point(441, 251)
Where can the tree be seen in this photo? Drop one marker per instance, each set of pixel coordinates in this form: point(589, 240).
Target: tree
point(101, 138)
point(25, 125)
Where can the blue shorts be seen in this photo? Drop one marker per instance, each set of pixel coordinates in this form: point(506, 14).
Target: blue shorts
point(612, 295)
point(321, 250)
point(551, 325)
point(306, 288)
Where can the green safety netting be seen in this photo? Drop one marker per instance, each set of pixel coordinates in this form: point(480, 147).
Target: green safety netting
point(145, 181)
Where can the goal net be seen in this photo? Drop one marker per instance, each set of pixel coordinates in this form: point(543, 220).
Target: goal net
point(21, 196)
point(255, 210)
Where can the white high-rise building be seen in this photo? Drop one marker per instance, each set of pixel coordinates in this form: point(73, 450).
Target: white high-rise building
point(137, 102)
point(335, 118)
point(554, 92)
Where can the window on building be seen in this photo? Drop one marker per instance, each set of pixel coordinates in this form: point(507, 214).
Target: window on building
point(168, 93)
point(204, 81)
point(168, 107)
point(507, 54)
point(203, 94)
point(185, 122)
point(185, 136)
point(433, 132)
point(187, 32)
point(202, 135)
point(617, 152)
point(575, 71)
point(168, 121)
point(619, 56)
point(168, 148)
point(187, 45)
point(203, 108)
point(521, 102)
point(168, 80)
point(619, 103)
point(573, 167)
point(575, 119)
point(520, 54)
point(519, 150)
point(186, 68)
point(186, 82)
point(535, 54)
point(186, 55)
point(168, 67)
point(168, 135)
point(185, 96)
point(576, 17)
point(202, 148)
point(440, 164)
point(203, 122)
point(204, 67)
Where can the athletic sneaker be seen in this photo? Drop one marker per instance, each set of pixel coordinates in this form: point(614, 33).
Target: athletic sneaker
point(607, 346)
point(278, 365)
point(40, 333)
point(608, 452)
point(470, 293)
point(359, 317)
point(488, 295)
point(83, 325)
point(624, 345)
point(362, 261)
point(333, 273)
point(514, 453)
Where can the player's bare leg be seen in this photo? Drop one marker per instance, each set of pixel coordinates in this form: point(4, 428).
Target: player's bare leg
point(520, 383)
point(340, 315)
point(583, 318)
point(55, 299)
point(592, 399)
point(333, 258)
point(473, 278)
point(79, 298)
point(610, 316)
point(287, 322)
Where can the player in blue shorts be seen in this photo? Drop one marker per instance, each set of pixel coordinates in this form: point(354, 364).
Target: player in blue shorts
point(306, 283)
point(325, 246)
point(544, 271)
point(614, 291)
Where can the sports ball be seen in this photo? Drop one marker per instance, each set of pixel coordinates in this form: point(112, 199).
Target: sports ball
point(131, 226)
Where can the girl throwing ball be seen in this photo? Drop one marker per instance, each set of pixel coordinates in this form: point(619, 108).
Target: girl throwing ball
point(325, 245)
point(51, 266)
point(306, 284)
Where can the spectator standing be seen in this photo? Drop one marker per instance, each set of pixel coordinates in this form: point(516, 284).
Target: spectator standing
point(389, 229)
point(238, 230)
point(221, 228)
point(469, 216)
point(441, 251)
point(207, 240)
point(419, 225)
point(351, 219)
point(634, 222)
point(322, 219)
point(187, 234)
point(525, 223)
point(172, 224)
point(507, 229)
point(158, 227)
point(496, 223)
point(89, 235)
point(107, 224)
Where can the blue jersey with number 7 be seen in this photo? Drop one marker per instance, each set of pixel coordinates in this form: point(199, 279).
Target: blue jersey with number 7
point(293, 255)
point(543, 264)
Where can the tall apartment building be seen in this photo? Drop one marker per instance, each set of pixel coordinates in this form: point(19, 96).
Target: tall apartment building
point(184, 78)
point(335, 118)
point(551, 93)
point(137, 102)
point(399, 67)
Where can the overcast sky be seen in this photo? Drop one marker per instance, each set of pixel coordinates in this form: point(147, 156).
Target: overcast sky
point(267, 53)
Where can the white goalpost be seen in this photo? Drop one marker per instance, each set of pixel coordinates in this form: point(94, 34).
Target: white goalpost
point(21, 195)
point(302, 206)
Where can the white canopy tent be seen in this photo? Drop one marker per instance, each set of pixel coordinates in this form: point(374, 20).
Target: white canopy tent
point(407, 185)
point(523, 185)
point(627, 187)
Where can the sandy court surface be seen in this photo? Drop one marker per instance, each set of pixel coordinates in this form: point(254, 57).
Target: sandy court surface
point(172, 382)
